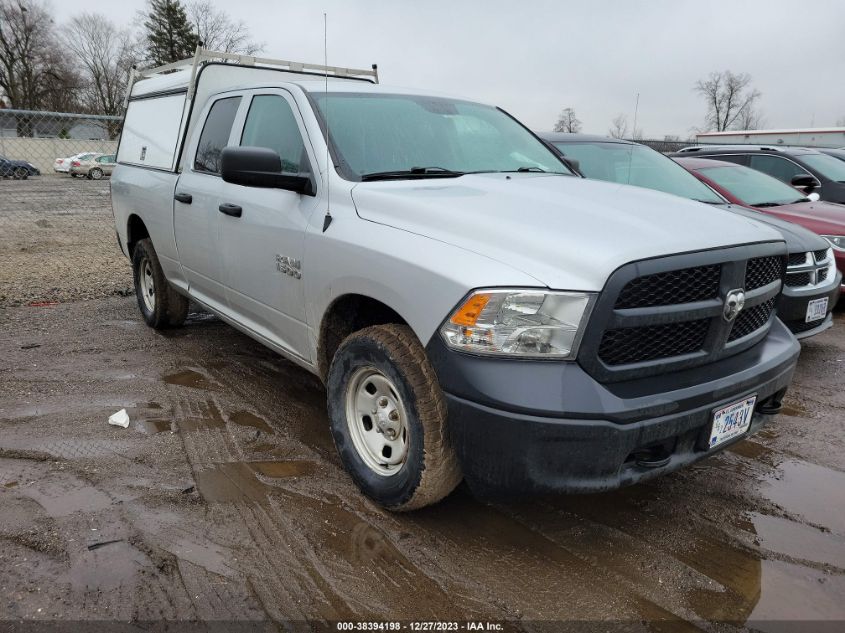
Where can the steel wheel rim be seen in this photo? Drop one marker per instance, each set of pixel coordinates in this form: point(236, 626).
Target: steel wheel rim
point(148, 284)
point(377, 420)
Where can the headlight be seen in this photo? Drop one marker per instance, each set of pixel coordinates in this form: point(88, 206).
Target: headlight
point(519, 323)
point(836, 241)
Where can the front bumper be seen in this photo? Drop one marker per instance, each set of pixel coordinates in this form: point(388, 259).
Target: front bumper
point(540, 426)
point(792, 307)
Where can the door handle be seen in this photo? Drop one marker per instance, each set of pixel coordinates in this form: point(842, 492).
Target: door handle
point(184, 198)
point(231, 209)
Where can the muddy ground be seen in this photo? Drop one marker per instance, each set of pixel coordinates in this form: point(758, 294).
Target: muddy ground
point(224, 500)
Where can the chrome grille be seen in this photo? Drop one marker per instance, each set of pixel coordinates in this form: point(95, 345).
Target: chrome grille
point(797, 259)
point(820, 256)
point(796, 280)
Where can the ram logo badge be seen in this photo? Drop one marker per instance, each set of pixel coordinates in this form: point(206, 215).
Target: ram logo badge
point(289, 266)
point(734, 303)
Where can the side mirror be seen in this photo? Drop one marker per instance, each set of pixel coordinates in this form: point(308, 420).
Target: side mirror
point(805, 182)
point(261, 167)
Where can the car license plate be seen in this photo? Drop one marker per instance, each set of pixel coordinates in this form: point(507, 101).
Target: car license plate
point(732, 421)
point(816, 309)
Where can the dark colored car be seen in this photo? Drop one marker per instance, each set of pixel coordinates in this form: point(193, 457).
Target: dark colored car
point(17, 169)
point(796, 166)
point(750, 188)
point(836, 153)
point(812, 283)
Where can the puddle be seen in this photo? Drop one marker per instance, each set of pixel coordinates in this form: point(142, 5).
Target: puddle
point(236, 481)
point(116, 566)
point(209, 417)
point(67, 497)
point(799, 541)
point(153, 426)
point(814, 492)
point(282, 469)
point(792, 594)
point(750, 450)
point(735, 569)
point(210, 557)
point(794, 410)
point(188, 378)
point(245, 418)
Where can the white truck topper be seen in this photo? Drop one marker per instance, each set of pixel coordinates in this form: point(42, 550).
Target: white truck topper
point(161, 98)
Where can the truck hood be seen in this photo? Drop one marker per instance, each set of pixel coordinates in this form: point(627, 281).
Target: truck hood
point(568, 233)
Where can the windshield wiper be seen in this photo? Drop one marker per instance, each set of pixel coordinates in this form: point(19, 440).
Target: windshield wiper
point(413, 172)
point(763, 205)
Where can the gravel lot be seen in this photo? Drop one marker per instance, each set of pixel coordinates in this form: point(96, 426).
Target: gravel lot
point(224, 500)
point(57, 242)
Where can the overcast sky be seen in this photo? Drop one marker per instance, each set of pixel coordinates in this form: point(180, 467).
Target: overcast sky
point(535, 57)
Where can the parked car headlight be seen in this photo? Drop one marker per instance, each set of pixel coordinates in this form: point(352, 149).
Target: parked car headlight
point(519, 323)
point(836, 241)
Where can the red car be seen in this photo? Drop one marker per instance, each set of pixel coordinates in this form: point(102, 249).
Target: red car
point(754, 189)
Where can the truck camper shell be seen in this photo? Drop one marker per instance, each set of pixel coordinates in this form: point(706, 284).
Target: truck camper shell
point(160, 100)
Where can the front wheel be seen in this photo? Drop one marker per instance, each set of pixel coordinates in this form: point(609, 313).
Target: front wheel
point(20, 173)
point(388, 419)
point(160, 305)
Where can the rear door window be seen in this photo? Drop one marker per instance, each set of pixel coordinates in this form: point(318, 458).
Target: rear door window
point(215, 134)
point(781, 168)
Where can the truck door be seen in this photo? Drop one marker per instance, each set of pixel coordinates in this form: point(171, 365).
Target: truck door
point(196, 202)
point(262, 243)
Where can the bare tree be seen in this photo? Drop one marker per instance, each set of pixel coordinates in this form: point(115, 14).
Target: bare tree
point(731, 101)
point(217, 31)
point(619, 127)
point(567, 121)
point(33, 72)
point(105, 53)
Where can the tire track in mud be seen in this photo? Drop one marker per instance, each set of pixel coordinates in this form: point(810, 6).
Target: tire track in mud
point(459, 582)
point(316, 564)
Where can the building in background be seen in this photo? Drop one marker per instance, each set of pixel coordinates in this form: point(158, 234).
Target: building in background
point(806, 137)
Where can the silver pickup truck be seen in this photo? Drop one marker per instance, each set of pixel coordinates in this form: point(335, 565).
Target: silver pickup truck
point(474, 310)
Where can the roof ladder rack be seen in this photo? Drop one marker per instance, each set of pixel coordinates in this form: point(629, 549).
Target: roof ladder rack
point(203, 56)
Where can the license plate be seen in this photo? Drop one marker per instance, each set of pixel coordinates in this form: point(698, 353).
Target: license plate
point(732, 421)
point(816, 309)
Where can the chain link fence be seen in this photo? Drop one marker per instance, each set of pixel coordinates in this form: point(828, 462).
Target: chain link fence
point(57, 238)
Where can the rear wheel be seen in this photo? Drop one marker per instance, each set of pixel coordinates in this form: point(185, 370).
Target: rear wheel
point(20, 173)
point(95, 174)
point(160, 305)
point(388, 418)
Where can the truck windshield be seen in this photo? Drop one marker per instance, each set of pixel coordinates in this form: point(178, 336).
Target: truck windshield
point(753, 187)
point(377, 136)
point(639, 166)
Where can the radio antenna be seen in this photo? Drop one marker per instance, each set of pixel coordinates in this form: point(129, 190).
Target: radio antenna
point(328, 219)
point(633, 137)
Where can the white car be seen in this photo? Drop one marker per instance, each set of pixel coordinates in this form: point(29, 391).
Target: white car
point(474, 308)
point(62, 165)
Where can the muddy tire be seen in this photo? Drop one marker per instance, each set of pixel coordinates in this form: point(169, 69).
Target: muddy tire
point(160, 305)
point(388, 419)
